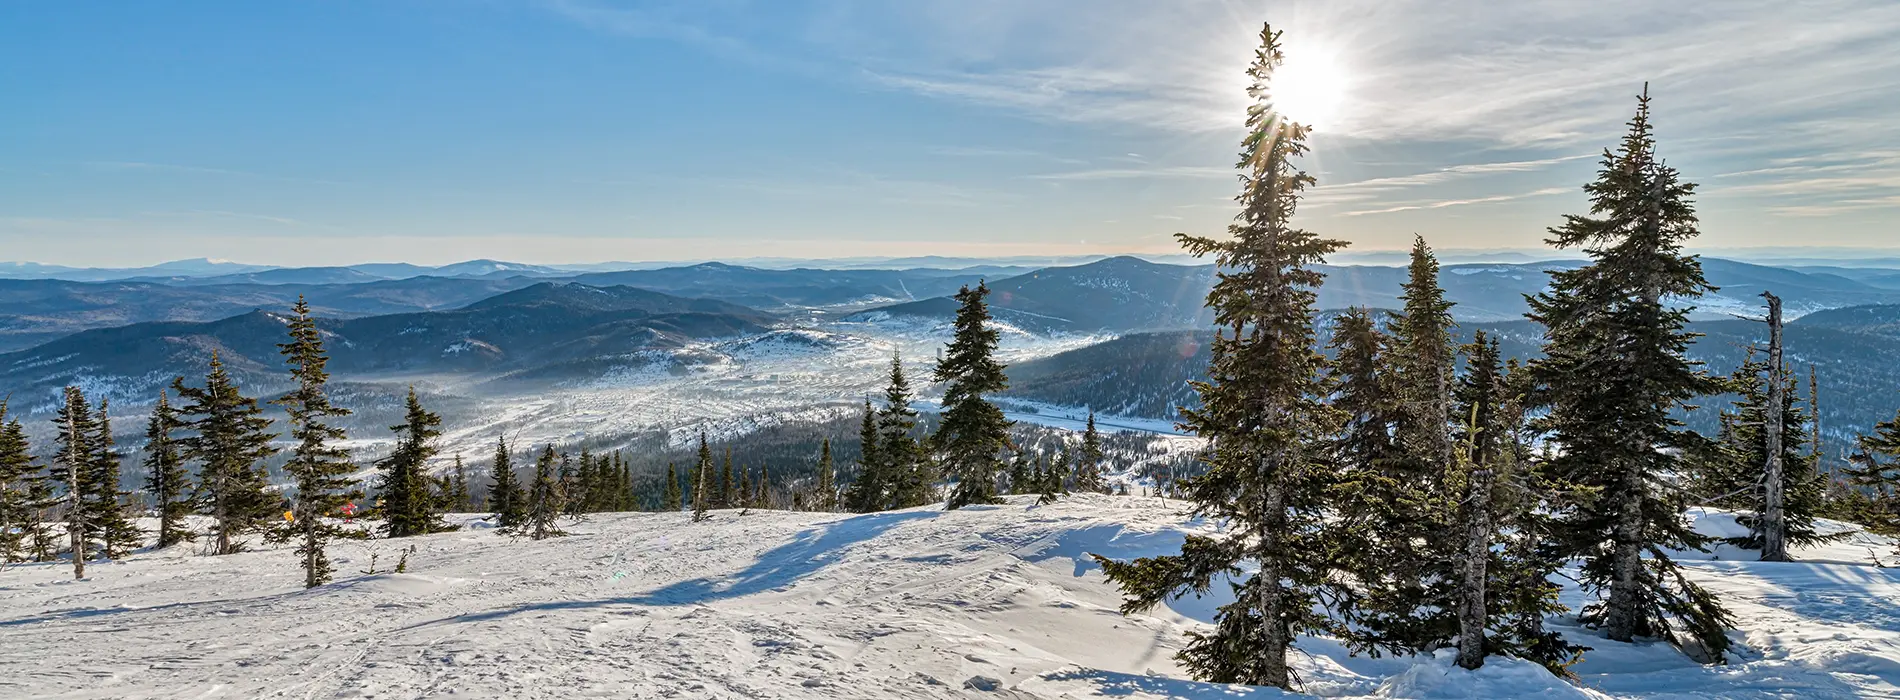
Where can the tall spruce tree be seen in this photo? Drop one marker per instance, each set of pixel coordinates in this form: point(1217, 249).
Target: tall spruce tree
point(1730, 473)
point(71, 458)
point(670, 498)
point(907, 472)
point(546, 499)
point(229, 443)
point(118, 534)
point(505, 495)
point(165, 475)
point(728, 488)
point(1262, 415)
point(320, 468)
point(866, 493)
point(973, 434)
point(1613, 373)
point(1088, 461)
point(825, 493)
point(702, 480)
point(409, 508)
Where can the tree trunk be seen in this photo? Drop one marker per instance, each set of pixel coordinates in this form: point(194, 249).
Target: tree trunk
point(1623, 618)
point(1773, 523)
point(1471, 608)
point(1274, 634)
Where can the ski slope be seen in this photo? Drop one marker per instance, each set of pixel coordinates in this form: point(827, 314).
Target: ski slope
point(989, 602)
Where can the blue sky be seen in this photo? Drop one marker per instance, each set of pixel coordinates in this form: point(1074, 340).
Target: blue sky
point(584, 130)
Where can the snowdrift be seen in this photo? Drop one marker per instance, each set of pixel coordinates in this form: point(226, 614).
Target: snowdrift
point(995, 602)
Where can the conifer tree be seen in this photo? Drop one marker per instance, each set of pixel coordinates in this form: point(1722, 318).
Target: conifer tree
point(1875, 467)
point(1613, 371)
point(670, 501)
point(1422, 353)
point(408, 507)
point(70, 460)
point(702, 480)
point(165, 475)
point(458, 486)
point(1088, 464)
point(628, 499)
point(762, 493)
point(1048, 482)
point(319, 467)
point(1021, 479)
point(546, 499)
point(567, 481)
point(505, 496)
point(901, 457)
point(825, 498)
point(728, 489)
point(973, 434)
point(743, 492)
point(19, 480)
point(1730, 471)
point(229, 443)
point(866, 493)
point(1263, 418)
point(118, 535)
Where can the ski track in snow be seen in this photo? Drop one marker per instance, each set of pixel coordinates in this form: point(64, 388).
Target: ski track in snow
point(910, 604)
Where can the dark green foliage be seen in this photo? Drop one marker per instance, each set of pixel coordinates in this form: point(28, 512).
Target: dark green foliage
point(1614, 372)
point(974, 434)
point(108, 518)
point(546, 499)
point(319, 468)
point(702, 480)
point(505, 495)
point(671, 501)
point(409, 508)
point(22, 491)
point(1088, 461)
point(728, 489)
point(1729, 470)
point(229, 443)
point(825, 493)
point(165, 476)
point(1875, 472)
point(458, 488)
point(1262, 414)
point(866, 493)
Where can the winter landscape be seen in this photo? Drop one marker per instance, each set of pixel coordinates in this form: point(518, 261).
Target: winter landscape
point(555, 349)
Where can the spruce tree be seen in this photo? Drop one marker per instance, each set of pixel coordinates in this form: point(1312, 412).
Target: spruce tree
point(973, 433)
point(1730, 474)
point(702, 480)
point(728, 494)
point(1021, 480)
point(866, 493)
point(743, 491)
point(1614, 371)
point(320, 468)
point(229, 443)
point(1088, 464)
point(546, 500)
point(117, 533)
point(1422, 363)
point(1875, 468)
point(458, 487)
point(165, 476)
point(670, 501)
point(907, 471)
point(70, 461)
point(1263, 419)
point(762, 490)
point(19, 480)
point(409, 509)
point(505, 496)
point(825, 498)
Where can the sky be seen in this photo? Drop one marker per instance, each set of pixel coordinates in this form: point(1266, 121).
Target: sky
point(548, 131)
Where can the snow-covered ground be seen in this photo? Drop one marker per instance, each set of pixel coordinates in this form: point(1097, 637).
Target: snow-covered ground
point(984, 602)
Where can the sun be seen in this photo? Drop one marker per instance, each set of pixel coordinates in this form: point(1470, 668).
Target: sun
point(1309, 88)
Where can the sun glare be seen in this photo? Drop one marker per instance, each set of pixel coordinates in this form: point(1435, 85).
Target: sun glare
point(1309, 89)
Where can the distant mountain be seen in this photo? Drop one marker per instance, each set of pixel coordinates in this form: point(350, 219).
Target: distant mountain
point(286, 275)
point(1877, 320)
point(197, 267)
point(776, 289)
point(35, 311)
point(1128, 294)
point(542, 324)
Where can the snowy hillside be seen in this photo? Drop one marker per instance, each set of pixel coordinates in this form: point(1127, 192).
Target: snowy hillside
point(985, 602)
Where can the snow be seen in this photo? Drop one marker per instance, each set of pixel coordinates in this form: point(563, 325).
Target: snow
point(996, 602)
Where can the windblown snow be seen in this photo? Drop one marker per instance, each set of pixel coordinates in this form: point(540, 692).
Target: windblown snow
point(982, 602)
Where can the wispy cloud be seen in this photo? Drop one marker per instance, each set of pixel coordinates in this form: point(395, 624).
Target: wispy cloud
point(1160, 172)
point(1383, 187)
point(1460, 202)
